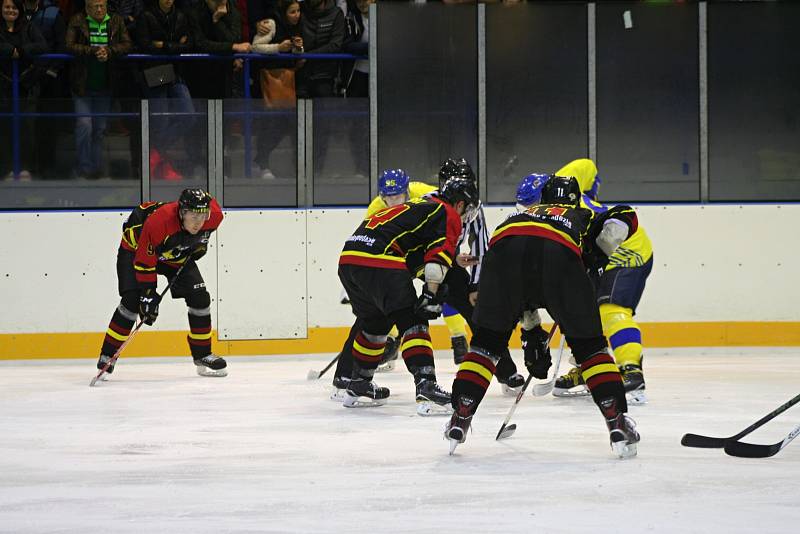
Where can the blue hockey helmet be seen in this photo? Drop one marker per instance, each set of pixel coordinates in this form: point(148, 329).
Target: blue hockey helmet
point(529, 190)
point(393, 182)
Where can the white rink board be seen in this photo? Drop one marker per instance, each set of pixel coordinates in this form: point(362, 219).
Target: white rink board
point(712, 263)
point(159, 449)
point(262, 275)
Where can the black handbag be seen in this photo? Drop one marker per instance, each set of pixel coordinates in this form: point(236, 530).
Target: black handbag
point(159, 75)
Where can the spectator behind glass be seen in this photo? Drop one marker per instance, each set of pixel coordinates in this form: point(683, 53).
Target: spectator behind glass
point(355, 74)
point(163, 29)
point(21, 41)
point(53, 82)
point(323, 33)
point(96, 39)
point(280, 34)
point(216, 29)
point(129, 10)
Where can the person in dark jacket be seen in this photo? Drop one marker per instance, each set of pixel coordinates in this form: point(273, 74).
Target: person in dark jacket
point(163, 29)
point(216, 27)
point(21, 41)
point(96, 38)
point(323, 33)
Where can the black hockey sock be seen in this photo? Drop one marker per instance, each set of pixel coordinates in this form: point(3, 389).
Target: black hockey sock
point(602, 377)
point(118, 330)
point(474, 375)
point(199, 337)
point(417, 351)
point(367, 354)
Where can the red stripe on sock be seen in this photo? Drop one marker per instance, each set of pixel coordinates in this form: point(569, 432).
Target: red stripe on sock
point(480, 360)
point(475, 378)
point(603, 378)
point(597, 359)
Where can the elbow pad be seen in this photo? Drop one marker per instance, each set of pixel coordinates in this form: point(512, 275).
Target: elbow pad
point(435, 272)
point(612, 235)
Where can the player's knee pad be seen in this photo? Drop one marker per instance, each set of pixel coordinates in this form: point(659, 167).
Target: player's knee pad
point(129, 305)
point(585, 347)
point(448, 310)
point(494, 342)
point(199, 302)
point(623, 333)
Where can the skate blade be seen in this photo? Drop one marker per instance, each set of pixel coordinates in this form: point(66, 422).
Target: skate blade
point(509, 391)
point(624, 450)
point(453, 444)
point(205, 371)
point(385, 367)
point(361, 402)
point(574, 392)
point(428, 408)
point(637, 397)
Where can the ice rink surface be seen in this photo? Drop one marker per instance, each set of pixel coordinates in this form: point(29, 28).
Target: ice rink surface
point(159, 449)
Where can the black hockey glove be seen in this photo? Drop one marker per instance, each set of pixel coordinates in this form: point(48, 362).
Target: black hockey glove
point(428, 305)
point(198, 252)
point(537, 351)
point(148, 306)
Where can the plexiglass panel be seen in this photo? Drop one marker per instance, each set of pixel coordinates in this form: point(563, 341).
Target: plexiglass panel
point(341, 151)
point(754, 101)
point(427, 107)
point(648, 101)
point(536, 104)
point(260, 155)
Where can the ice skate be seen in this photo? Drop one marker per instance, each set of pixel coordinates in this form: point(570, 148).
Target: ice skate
point(570, 385)
point(340, 385)
point(211, 366)
point(389, 358)
point(363, 393)
point(432, 399)
point(104, 359)
point(460, 348)
point(633, 380)
point(621, 429)
point(456, 429)
point(512, 385)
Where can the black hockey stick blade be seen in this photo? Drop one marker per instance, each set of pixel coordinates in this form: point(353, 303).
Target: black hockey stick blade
point(506, 431)
point(752, 450)
point(709, 442)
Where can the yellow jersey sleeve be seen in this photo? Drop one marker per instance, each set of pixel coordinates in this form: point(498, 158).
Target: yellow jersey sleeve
point(420, 189)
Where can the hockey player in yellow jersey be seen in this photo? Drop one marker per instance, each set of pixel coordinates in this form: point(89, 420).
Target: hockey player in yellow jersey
point(620, 280)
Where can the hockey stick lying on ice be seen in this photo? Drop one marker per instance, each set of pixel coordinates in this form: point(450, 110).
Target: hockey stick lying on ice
point(752, 450)
point(708, 442)
point(314, 375)
point(540, 390)
point(115, 357)
point(506, 430)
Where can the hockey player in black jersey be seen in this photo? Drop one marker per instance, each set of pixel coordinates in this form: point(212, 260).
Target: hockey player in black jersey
point(535, 261)
point(373, 270)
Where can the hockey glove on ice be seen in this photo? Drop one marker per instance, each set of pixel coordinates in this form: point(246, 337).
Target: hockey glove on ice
point(428, 305)
point(537, 352)
point(148, 306)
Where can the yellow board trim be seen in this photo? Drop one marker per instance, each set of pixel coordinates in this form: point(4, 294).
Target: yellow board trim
point(476, 368)
point(47, 345)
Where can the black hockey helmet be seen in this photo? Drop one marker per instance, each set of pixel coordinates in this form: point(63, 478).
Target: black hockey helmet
point(462, 188)
point(455, 167)
point(195, 199)
point(561, 190)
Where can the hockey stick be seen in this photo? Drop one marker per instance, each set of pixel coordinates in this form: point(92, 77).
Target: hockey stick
point(506, 430)
point(708, 442)
point(115, 357)
point(314, 375)
point(540, 390)
point(752, 450)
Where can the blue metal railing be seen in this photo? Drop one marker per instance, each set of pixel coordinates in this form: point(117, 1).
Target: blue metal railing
point(16, 115)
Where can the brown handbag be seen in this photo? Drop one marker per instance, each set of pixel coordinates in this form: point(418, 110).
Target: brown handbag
point(277, 88)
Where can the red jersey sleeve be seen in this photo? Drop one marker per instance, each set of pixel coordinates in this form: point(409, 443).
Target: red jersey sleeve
point(448, 228)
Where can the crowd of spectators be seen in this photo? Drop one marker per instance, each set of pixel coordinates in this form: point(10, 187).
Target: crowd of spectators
point(100, 80)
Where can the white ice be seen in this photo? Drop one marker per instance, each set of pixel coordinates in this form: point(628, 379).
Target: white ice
point(159, 449)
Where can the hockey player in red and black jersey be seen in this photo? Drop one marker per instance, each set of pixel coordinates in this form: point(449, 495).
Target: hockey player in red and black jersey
point(535, 261)
point(159, 238)
point(373, 270)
